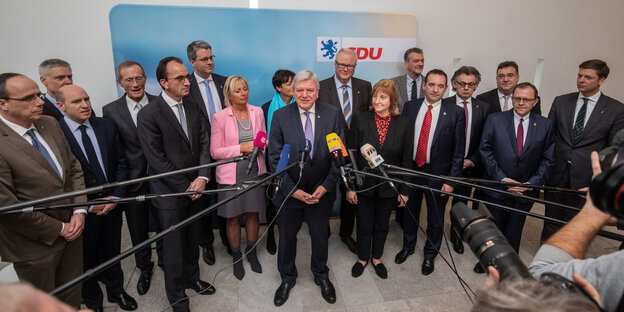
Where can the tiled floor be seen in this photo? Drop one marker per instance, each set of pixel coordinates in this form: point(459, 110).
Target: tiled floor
point(406, 289)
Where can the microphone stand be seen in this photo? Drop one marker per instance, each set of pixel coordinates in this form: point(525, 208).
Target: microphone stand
point(94, 271)
point(540, 187)
point(602, 233)
point(108, 186)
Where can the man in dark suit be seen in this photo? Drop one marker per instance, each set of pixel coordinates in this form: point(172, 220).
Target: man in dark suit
point(351, 96)
point(583, 121)
point(499, 99)
point(439, 136)
point(206, 89)
point(45, 247)
point(124, 111)
point(314, 197)
point(96, 144)
point(465, 81)
point(410, 84)
point(53, 74)
point(173, 136)
point(517, 146)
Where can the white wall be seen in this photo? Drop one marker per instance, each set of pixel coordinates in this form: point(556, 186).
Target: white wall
point(482, 33)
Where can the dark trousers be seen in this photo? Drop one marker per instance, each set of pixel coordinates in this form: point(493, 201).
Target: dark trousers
point(289, 223)
point(347, 213)
point(373, 215)
point(102, 241)
point(180, 252)
point(436, 205)
point(508, 222)
point(207, 236)
point(557, 212)
point(137, 217)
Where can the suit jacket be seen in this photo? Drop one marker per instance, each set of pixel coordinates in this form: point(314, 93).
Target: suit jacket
point(195, 94)
point(500, 154)
point(491, 97)
point(137, 165)
point(286, 128)
point(480, 110)
point(50, 109)
point(224, 141)
point(397, 148)
point(449, 139)
point(606, 120)
point(361, 96)
point(26, 175)
point(167, 148)
point(401, 82)
point(113, 156)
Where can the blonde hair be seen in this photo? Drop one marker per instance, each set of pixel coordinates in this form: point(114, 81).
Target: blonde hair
point(229, 86)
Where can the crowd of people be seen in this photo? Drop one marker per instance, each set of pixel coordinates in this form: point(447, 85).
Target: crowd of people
point(204, 117)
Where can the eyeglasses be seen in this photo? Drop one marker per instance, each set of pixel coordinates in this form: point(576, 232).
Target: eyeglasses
point(347, 66)
point(206, 59)
point(180, 79)
point(137, 79)
point(501, 76)
point(520, 100)
point(28, 98)
point(463, 84)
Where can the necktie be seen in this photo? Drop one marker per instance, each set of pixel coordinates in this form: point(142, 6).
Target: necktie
point(211, 108)
point(520, 137)
point(38, 146)
point(466, 114)
point(423, 139)
point(137, 108)
point(309, 134)
point(414, 94)
point(91, 155)
point(346, 104)
point(182, 119)
point(506, 106)
point(579, 124)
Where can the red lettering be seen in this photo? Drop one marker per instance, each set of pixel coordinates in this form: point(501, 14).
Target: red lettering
point(373, 57)
point(359, 52)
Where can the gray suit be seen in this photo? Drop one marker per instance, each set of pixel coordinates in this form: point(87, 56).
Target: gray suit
point(401, 82)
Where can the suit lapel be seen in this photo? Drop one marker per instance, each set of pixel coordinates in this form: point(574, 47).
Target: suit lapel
point(35, 154)
point(333, 93)
point(442, 118)
point(196, 94)
point(318, 128)
point(511, 129)
point(71, 140)
point(595, 116)
point(372, 126)
point(531, 133)
point(570, 107)
point(403, 88)
point(171, 118)
point(100, 136)
point(125, 114)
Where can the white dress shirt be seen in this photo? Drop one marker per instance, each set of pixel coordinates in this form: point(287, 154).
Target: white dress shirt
point(525, 126)
point(591, 104)
point(409, 86)
point(501, 99)
point(312, 117)
point(420, 118)
point(213, 89)
point(468, 122)
point(134, 106)
point(73, 127)
point(340, 90)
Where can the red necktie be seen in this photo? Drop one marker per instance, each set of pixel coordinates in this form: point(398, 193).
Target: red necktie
point(520, 137)
point(423, 139)
point(466, 114)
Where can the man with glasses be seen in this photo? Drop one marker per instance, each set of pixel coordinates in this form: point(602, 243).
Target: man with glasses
point(518, 146)
point(351, 96)
point(53, 74)
point(410, 84)
point(499, 99)
point(173, 136)
point(45, 247)
point(207, 89)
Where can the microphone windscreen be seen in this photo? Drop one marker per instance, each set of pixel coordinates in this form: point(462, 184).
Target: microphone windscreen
point(260, 140)
point(345, 153)
point(368, 151)
point(305, 146)
point(333, 142)
point(283, 161)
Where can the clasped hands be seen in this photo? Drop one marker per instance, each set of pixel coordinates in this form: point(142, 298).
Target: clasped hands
point(310, 199)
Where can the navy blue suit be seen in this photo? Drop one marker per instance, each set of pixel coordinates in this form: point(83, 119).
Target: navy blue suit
point(500, 157)
point(102, 234)
point(446, 158)
point(286, 128)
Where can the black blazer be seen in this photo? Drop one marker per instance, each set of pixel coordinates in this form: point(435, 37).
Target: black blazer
point(167, 148)
point(500, 153)
point(491, 97)
point(119, 113)
point(449, 141)
point(397, 149)
point(606, 120)
point(195, 94)
point(361, 96)
point(111, 149)
point(286, 128)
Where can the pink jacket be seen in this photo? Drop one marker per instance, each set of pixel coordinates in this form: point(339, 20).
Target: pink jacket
point(224, 141)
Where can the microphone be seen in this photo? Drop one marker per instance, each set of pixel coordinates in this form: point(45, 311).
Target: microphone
point(358, 179)
point(374, 160)
point(334, 145)
point(259, 142)
point(281, 164)
point(305, 146)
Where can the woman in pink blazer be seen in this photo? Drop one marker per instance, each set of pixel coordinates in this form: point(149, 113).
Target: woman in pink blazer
point(233, 131)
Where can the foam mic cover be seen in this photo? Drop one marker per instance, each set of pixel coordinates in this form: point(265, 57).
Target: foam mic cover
point(283, 160)
point(260, 140)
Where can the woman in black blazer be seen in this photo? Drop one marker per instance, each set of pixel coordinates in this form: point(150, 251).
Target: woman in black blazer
point(389, 132)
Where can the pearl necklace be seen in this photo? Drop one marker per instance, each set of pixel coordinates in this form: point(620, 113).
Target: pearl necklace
point(241, 124)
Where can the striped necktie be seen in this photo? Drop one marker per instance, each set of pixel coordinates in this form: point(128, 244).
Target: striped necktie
point(579, 124)
point(346, 104)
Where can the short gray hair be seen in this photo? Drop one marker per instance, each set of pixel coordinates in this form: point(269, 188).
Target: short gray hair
point(306, 75)
point(44, 67)
point(347, 51)
point(191, 49)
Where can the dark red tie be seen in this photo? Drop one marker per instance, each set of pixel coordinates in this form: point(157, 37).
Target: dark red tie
point(423, 139)
point(466, 114)
point(520, 137)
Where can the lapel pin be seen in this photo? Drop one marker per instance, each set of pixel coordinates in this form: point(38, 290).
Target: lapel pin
point(318, 116)
point(444, 113)
point(601, 112)
point(534, 124)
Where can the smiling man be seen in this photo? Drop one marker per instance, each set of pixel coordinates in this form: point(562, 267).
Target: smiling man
point(410, 84)
point(499, 99)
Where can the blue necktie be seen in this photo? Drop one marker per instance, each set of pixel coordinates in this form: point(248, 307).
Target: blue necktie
point(309, 134)
point(91, 155)
point(182, 119)
point(347, 104)
point(38, 146)
point(211, 108)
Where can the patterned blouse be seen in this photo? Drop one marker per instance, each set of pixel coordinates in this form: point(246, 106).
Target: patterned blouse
point(382, 127)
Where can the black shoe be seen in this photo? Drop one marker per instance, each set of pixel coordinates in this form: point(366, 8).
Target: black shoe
point(357, 269)
point(281, 295)
point(201, 287)
point(271, 247)
point(402, 255)
point(327, 289)
point(208, 255)
point(427, 267)
point(349, 242)
point(124, 301)
point(98, 309)
point(252, 257)
point(478, 268)
point(458, 246)
point(145, 280)
point(381, 270)
point(237, 265)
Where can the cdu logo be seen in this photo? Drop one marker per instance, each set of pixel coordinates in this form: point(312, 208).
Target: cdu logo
point(326, 49)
